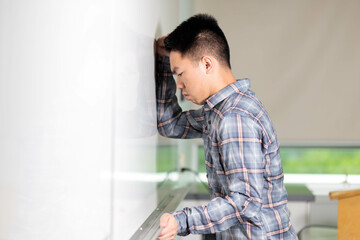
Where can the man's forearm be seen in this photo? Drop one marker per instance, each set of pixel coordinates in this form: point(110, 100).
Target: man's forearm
point(168, 108)
point(172, 122)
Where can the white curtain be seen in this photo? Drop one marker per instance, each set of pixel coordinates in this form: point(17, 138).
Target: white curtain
point(303, 59)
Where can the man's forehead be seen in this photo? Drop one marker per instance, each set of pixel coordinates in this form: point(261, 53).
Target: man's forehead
point(175, 57)
point(177, 61)
point(175, 70)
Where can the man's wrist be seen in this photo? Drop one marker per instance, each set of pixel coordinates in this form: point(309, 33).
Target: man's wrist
point(181, 219)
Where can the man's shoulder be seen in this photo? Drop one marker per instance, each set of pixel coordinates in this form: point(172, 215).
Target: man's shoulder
point(245, 104)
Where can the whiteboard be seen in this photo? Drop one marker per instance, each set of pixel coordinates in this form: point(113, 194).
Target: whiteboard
point(77, 116)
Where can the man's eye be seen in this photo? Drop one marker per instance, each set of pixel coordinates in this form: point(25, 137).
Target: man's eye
point(180, 74)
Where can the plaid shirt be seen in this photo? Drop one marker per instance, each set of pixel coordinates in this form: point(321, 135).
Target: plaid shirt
point(243, 164)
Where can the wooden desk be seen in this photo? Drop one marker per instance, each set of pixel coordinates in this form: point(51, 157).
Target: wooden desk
point(348, 213)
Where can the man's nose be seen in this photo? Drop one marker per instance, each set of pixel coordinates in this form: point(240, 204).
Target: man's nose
point(179, 84)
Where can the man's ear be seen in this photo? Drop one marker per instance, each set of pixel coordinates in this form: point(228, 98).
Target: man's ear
point(208, 64)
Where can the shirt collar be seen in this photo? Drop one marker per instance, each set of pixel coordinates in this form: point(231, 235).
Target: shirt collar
point(241, 85)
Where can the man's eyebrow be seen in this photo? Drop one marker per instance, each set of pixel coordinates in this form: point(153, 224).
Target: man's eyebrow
point(174, 71)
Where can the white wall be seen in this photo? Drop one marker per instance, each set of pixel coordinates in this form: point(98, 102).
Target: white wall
point(303, 60)
point(135, 114)
point(77, 114)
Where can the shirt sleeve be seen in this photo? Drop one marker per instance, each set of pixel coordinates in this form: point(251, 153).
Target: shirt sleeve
point(240, 175)
point(171, 120)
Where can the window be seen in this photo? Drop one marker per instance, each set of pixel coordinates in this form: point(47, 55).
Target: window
point(166, 158)
point(311, 160)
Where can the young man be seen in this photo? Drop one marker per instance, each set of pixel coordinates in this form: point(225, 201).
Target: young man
point(248, 198)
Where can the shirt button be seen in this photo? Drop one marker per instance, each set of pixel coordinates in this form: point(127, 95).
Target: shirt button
point(209, 121)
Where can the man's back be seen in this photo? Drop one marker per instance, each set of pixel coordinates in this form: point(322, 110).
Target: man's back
point(242, 154)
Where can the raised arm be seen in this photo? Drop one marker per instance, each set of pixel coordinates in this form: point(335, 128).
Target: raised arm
point(172, 121)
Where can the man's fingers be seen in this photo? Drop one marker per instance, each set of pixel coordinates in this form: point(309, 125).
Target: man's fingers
point(166, 235)
point(169, 227)
point(160, 46)
point(164, 220)
point(160, 41)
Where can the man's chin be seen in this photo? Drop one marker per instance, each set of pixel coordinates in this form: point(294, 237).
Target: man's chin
point(197, 103)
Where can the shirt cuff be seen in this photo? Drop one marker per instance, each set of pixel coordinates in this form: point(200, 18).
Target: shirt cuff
point(181, 219)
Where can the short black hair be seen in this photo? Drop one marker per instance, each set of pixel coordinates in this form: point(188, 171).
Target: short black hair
point(197, 36)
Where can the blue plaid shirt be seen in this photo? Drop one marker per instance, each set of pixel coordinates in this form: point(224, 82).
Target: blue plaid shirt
point(243, 163)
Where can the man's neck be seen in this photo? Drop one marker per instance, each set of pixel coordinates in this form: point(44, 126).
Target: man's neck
point(224, 78)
